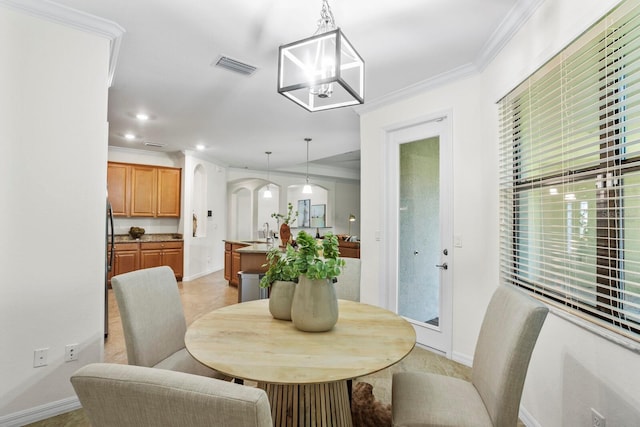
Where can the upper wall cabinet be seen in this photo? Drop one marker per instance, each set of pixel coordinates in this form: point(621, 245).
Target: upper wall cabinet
point(168, 203)
point(118, 188)
point(143, 190)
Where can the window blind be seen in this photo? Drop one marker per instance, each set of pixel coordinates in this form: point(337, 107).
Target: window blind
point(570, 177)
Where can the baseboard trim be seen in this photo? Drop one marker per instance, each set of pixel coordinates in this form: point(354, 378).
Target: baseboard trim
point(527, 419)
point(198, 275)
point(462, 358)
point(41, 412)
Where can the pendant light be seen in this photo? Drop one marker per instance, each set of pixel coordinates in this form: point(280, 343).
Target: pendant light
point(267, 193)
point(323, 71)
point(307, 188)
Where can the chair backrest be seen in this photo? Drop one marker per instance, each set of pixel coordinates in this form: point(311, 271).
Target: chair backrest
point(152, 316)
point(348, 285)
point(124, 395)
point(507, 337)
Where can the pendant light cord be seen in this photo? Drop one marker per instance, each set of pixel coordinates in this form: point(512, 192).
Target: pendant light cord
point(268, 153)
point(308, 140)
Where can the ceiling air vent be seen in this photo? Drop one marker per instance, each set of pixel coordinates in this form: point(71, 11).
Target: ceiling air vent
point(235, 66)
point(154, 144)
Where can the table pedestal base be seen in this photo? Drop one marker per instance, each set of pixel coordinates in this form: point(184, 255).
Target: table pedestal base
point(320, 405)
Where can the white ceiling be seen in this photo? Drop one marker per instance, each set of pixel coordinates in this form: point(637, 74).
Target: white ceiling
point(164, 68)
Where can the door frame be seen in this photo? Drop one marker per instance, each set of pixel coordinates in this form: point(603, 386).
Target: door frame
point(438, 339)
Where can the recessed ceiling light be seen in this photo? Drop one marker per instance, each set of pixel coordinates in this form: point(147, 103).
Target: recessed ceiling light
point(142, 116)
point(200, 147)
point(129, 136)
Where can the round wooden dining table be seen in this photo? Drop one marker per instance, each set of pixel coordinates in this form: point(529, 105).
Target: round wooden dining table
point(304, 373)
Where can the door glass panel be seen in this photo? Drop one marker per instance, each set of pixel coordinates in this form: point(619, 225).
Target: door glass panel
point(419, 245)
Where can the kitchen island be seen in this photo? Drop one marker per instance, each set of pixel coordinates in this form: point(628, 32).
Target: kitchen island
point(253, 257)
point(244, 255)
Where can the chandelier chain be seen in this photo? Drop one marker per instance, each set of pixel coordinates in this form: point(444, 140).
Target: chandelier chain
point(326, 22)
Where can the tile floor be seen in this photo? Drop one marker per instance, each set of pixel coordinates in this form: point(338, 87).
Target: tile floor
point(212, 291)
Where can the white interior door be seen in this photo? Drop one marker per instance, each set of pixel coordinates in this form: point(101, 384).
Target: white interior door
point(419, 212)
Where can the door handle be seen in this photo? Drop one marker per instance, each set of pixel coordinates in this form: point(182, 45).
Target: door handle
point(443, 266)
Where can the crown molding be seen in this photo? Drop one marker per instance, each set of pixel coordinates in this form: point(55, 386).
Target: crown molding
point(515, 19)
point(459, 73)
point(509, 26)
point(148, 153)
point(76, 19)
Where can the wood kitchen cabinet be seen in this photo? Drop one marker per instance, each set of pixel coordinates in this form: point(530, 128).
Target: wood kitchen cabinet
point(126, 259)
point(227, 261)
point(232, 261)
point(132, 256)
point(235, 268)
point(144, 191)
point(168, 202)
point(118, 188)
point(155, 254)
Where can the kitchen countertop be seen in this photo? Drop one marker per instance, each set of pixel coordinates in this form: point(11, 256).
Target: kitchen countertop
point(257, 248)
point(245, 242)
point(160, 237)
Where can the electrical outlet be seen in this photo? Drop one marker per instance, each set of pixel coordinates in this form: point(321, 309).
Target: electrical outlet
point(40, 357)
point(597, 420)
point(71, 352)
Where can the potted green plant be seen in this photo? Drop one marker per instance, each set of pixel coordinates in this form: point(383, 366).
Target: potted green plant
point(311, 264)
point(285, 228)
point(315, 305)
point(281, 275)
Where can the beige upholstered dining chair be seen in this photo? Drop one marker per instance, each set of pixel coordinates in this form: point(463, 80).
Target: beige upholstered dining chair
point(153, 321)
point(508, 335)
point(115, 395)
point(348, 284)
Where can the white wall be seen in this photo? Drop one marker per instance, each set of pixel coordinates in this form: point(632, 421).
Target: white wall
point(204, 254)
point(53, 153)
point(571, 370)
point(347, 202)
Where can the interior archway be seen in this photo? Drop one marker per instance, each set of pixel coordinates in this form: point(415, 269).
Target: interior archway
point(266, 207)
point(242, 215)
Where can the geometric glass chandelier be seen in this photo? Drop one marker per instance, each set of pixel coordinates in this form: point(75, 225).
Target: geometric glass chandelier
point(323, 71)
